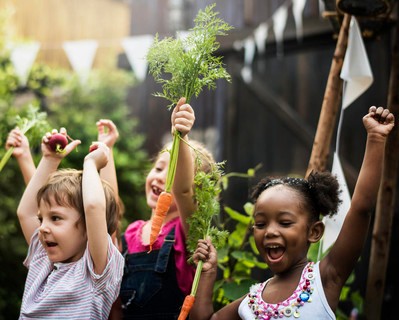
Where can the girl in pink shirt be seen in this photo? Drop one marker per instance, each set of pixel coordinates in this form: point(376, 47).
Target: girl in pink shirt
point(155, 283)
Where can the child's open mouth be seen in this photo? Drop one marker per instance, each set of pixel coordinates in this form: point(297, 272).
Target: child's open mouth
point(157, 191)
point(275, 252)
point(50, 244)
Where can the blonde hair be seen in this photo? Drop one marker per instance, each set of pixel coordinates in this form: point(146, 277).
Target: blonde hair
point(201, 155)
point(65, 187)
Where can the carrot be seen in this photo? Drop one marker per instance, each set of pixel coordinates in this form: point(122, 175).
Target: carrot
point(161, 209)
point(187, 305)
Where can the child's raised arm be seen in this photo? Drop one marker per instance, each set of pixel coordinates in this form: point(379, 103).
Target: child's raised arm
point(28, 206)
point(21, 153)
point(95, 206)
point(342, 258)
point(182, 120)
point(108, 134)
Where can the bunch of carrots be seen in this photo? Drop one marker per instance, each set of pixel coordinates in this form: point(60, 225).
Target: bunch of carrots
point(191, 65)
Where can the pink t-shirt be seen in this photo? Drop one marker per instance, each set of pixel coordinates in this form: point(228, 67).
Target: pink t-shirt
point(184, 271)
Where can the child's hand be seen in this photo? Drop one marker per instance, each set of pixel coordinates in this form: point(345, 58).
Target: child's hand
point(107, 132)
point(99, 154)
point(206, 252)
point(182, 117)
point(55, 144)
point(19, 142)
point(379, 121)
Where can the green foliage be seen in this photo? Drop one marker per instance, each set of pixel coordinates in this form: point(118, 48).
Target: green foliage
point(238, 259)
point(185, 66)
point(34, 126)
point(207, 192)
point(103, 97)
point(77, 109)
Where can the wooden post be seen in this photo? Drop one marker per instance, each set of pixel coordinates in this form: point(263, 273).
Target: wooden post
point(382, 229)
point(331, 103)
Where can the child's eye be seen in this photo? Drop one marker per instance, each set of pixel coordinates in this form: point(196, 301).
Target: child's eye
point(286, 223)
point(40, 219)
point(259, 225)
point(55, 218)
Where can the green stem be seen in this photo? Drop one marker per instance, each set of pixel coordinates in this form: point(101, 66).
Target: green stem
point(6, 157)
point(197, 276)
point(200, 264)
point(174, 153)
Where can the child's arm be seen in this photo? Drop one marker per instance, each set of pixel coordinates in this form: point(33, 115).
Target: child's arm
point(182, 120)
point(95, 206)
point(203, 305)
point(108, 134)
point(28, 207)
point(21, 152)
point(341, 260)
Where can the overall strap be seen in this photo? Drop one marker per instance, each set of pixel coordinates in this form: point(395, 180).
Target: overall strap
point(164, 252)
point(124, 246)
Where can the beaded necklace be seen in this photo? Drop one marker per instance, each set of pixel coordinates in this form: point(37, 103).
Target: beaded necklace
point(302, 294)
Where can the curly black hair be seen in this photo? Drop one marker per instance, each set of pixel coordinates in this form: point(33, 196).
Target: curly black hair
point(320, 192)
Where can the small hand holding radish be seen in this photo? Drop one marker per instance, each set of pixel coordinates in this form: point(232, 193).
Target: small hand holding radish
point(99, 153)
point(55, 144)
point(182, 117)
point(107, 132)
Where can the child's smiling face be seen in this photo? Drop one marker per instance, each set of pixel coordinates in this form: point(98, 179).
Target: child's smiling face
point(281, 228)
point(62, 232)
point(156, 179)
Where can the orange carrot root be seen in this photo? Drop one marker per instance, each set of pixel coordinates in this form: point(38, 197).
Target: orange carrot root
point(187, 305)
point(161, 209)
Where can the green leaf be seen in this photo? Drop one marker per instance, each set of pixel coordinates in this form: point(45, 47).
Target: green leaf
point(235, 215)
point(249, 209)
point(234, 291)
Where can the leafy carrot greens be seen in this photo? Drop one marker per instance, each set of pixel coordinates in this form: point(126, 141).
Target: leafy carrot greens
point(185, 66)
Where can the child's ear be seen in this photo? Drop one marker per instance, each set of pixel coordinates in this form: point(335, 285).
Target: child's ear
point(316, 232)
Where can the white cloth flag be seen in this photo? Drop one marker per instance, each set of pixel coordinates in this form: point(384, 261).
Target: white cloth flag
point(357, 76)
point(333, 225)
point(81, 56)
point(297, 11)
point(136, 49)
point(249, 46)
point(279, 23)
point(22, 57)
point(356, 71)
point(260, 35)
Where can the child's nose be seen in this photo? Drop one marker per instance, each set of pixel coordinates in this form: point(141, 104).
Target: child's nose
point(44, 228)
point(271, 231)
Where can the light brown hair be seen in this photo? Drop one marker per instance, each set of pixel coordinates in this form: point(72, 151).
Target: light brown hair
point(65, 187)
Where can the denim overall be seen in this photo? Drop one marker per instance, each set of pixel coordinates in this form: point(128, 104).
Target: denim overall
point(149, 288)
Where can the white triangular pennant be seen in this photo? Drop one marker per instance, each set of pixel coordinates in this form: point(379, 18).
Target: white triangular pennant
point(297, 11)
point(260, 35)
point(279, 23)
point(81, 56)
point(136, 49)
point(22, 57)
point(333, 224)
point(356, 70)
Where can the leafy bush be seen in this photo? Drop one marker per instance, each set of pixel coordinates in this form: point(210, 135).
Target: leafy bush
point(67, 104)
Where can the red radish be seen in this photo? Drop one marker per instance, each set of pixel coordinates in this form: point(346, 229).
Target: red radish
point(93, 147)
point(58, 142)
